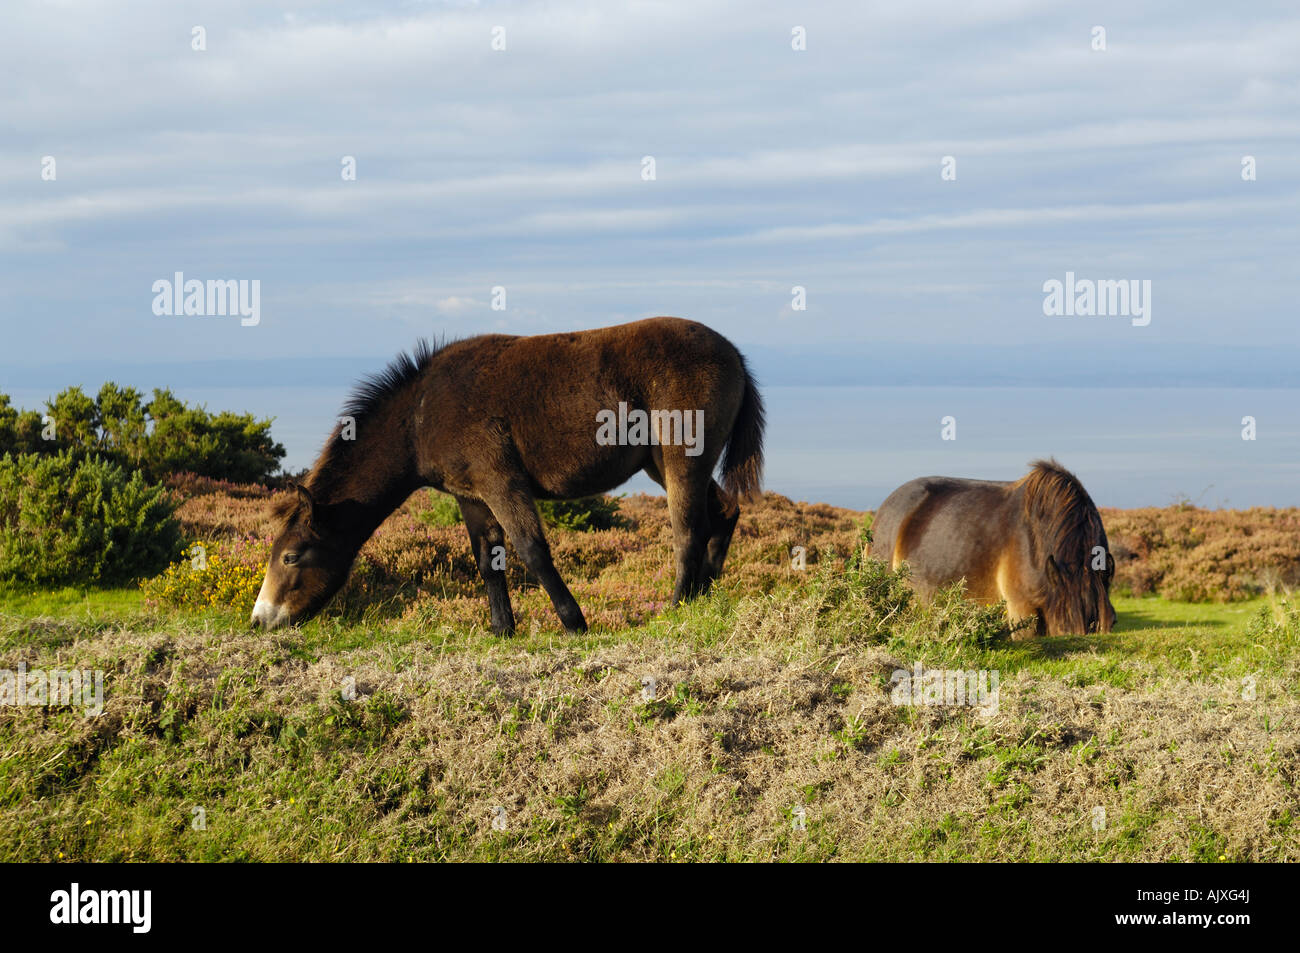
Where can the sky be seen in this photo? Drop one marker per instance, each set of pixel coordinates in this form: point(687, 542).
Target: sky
point(919, 169)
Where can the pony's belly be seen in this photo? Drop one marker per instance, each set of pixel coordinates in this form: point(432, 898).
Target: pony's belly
point(933, 570)
point(607, 473)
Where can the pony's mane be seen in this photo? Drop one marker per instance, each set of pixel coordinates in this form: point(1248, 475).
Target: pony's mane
point(369, 394)
point(1055, 499)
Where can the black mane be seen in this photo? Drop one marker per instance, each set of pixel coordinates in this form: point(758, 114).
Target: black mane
point(372, 391)
point(370, 394)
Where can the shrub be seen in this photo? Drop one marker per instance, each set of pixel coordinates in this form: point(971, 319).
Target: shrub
point(69, 519)
point(213, 573)
point(160, 437)
point(584, 515)
point(872, 601)
point(1278, 620)
point(443, 510)
point(865, 599)
point(209, 509)
point(1190, 554)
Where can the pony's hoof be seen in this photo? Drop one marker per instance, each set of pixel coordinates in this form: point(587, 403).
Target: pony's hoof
point(572, 619)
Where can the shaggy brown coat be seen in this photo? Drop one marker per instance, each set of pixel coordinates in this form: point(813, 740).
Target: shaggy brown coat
point(500, 421)
point(1038, 543)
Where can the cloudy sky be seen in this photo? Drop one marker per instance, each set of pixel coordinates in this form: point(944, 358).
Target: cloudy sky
point(522, 168)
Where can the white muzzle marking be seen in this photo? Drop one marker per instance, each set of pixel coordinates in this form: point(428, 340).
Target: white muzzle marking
point(267, 614)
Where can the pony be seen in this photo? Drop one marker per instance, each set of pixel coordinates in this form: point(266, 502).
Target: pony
point(1037, 543)
point(500, 421)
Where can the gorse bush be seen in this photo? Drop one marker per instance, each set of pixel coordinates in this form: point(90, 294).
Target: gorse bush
point(588, 513)
point(864, 598)
point(868, 601)
point(160, 436)
point(861, 601)
point(584, 515)
point(1278, 620)
point(210, 574)
point(66, 519)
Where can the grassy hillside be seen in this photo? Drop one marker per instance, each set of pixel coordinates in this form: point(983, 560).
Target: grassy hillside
point(397, 728)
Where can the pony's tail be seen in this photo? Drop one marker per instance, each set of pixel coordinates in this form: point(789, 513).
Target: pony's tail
point(742, 461)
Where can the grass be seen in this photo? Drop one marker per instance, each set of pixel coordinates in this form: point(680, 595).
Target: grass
point(396, 727)
point(403, 738)
point(71, 602)
point(1169, 637)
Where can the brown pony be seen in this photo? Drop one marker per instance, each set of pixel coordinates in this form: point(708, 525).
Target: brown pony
point(1038, 543)
point(500, 421)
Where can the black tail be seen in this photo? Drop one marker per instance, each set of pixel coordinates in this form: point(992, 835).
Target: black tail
point(742, 461)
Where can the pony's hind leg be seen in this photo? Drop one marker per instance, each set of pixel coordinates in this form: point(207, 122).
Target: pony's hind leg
point(722, 524)
point(688, 512)
point(488, 540)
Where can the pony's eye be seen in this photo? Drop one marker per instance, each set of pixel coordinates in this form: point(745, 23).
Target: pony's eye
point(289, 559)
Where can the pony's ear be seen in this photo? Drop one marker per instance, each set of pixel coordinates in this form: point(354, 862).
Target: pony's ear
point(306, 505)
point(1054, 571)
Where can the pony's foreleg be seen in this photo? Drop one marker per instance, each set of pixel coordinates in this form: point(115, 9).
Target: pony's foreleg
point(487, 540)
point(1018, 607)
point(517, 512)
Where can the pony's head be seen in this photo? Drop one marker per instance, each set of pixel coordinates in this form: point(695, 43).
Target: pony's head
point(1075, 565)
point(1076, 599)
point(309, 563)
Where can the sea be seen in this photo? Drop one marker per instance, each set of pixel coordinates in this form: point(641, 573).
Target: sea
point(851, 445)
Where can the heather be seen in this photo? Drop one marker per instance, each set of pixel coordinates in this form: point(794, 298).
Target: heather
point(1198, 555)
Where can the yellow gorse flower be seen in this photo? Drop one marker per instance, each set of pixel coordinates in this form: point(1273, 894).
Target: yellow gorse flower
point(225, 575)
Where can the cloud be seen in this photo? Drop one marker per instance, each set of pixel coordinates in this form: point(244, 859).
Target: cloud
point(521, 167)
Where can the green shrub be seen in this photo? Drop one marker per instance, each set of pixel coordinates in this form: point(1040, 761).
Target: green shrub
point(584, 515)
point(869, 597)
point(443, 510)
point(161, 436)
point(951, 620)
point(1278, 620)
point(866, 599)
point(73, 519)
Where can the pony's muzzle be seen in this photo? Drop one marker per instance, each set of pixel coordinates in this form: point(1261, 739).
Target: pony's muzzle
point(268, 616)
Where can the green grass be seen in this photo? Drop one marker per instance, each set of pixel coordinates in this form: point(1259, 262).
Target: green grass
point(1172, 636)
point(757, 710)
point(1153, 612)
point(1165, 637)
point(72, 602)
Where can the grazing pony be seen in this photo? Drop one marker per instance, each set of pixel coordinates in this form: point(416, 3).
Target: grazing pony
point(500, 421)
point(1038, 543)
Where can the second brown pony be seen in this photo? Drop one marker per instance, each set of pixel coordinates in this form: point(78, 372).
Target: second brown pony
point(500, 421)
point(1038, 543)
